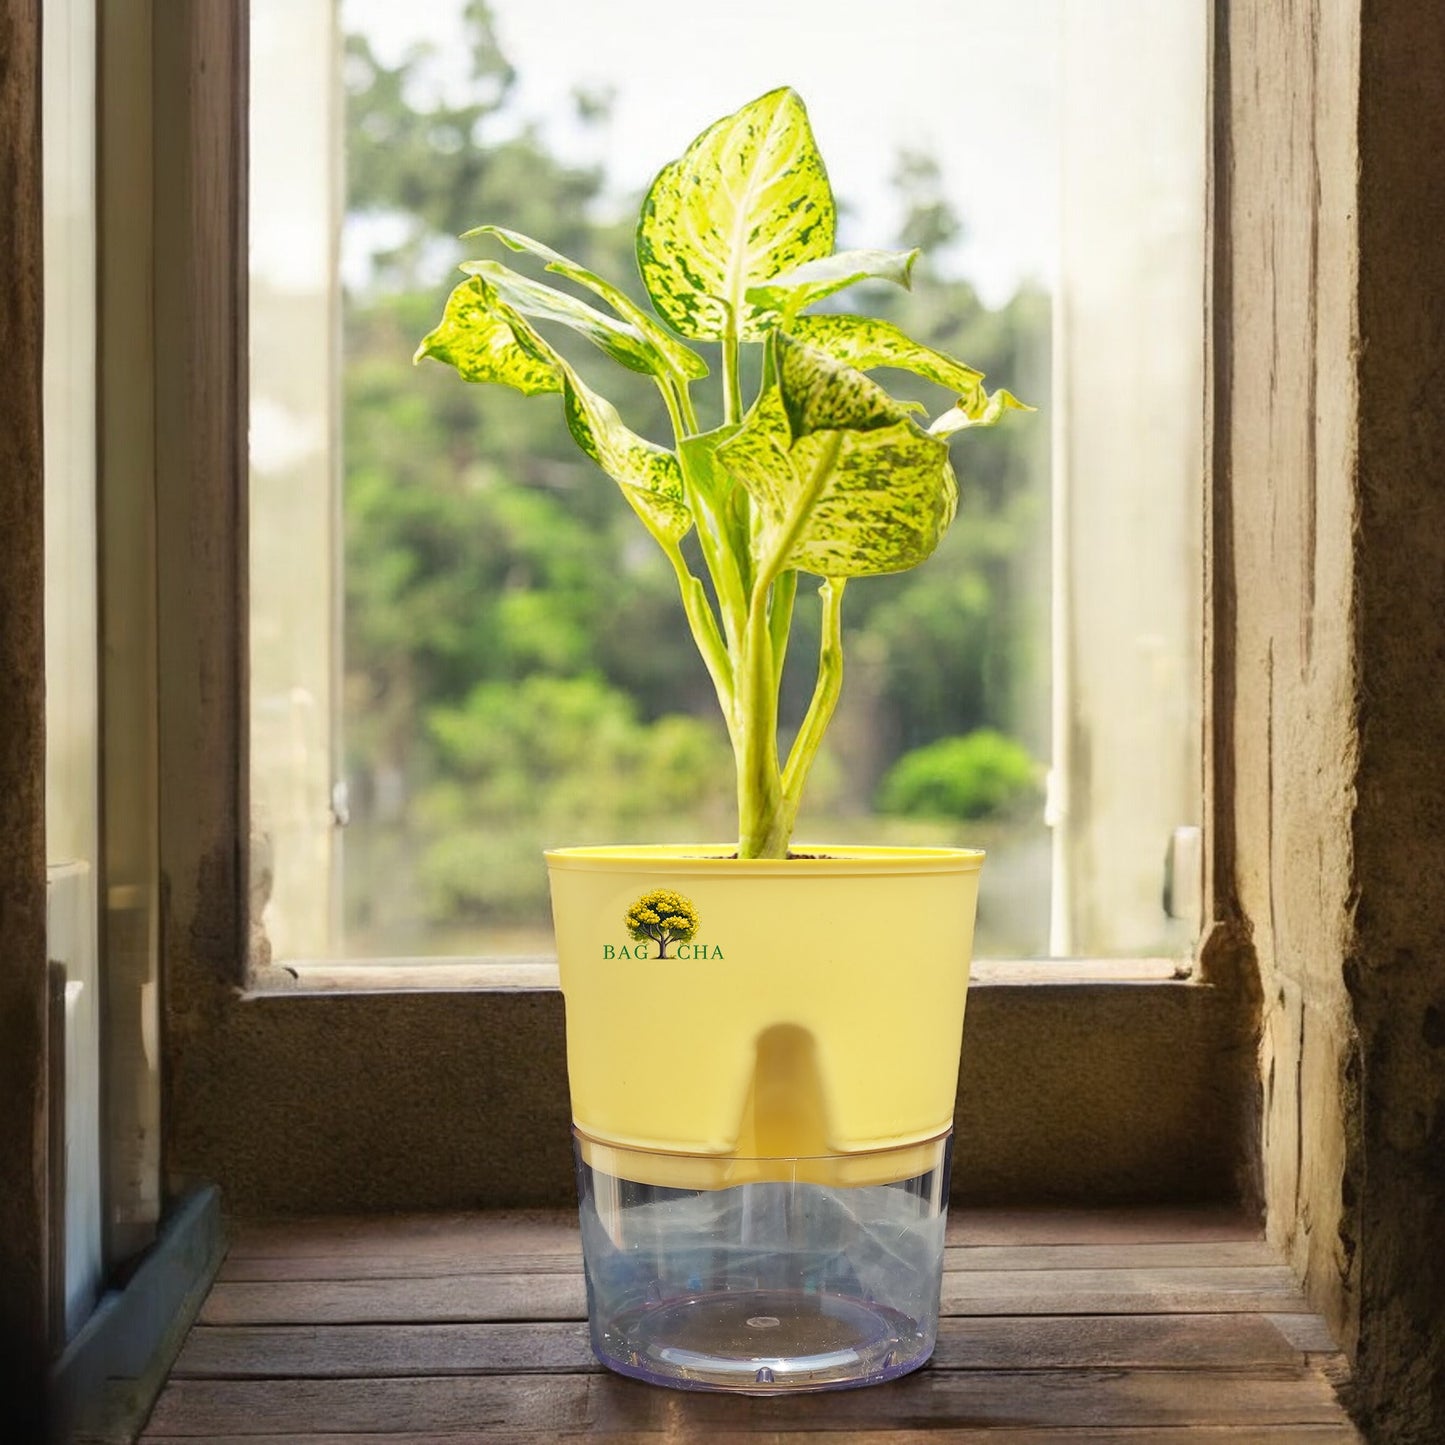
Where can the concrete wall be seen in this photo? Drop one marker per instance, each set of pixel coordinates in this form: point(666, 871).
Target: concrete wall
point(1330, 564)
point(1395, 970)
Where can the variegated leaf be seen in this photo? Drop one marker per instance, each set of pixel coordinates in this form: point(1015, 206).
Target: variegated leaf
point(820, 393)
point(840, 476)
point(725, 509)
point(487, 339)
point(813, 280)
point(982, 409)
point(648, 474)
point(475, 336)
point(889, 499)
point(623, 343)
point(758, 456)
point(866, 342)
point(682, 359)
point(747, 201)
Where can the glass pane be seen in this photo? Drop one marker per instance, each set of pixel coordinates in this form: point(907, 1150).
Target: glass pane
point(509, 668)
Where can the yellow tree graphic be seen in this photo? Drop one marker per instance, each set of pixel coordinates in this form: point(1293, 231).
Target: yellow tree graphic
point(664, 917)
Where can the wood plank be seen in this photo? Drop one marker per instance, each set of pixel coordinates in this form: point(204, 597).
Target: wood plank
point(482, 1297)
point(278, 1269)
point(932, 1399)
point(1178, 1342)
point(487, 1258)
point(1271, 1289)
point(1208, 1254)
point(1341, 1434)
point(1128, 1225)
point(477, 1297)
point(404, 1235)
point(1308, 1333)
point(238, 1352)
point(538, 1231)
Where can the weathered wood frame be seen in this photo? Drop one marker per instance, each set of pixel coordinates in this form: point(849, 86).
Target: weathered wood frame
point(24, 983)
point(373, 1099)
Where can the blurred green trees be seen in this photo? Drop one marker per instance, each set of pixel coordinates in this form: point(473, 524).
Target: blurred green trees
point(517, 670)
point(980, 775)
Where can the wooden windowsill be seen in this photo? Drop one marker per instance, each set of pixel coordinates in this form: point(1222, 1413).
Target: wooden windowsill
point(444, 975)
point(1058, 1325)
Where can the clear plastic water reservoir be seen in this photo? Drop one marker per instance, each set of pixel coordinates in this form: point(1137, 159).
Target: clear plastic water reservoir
point(808, 1274)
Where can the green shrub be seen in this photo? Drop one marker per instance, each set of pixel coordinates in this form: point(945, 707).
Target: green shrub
point(977, 776)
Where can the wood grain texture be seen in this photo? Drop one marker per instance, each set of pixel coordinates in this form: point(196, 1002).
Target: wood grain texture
point(200, 279)
point(487, 1259)
point(500, 1350)
point(1166, 1342)
point(934, 1399)
point(561, 1296)
point(986, 1435)
point(23, 983)
point(406, 1236)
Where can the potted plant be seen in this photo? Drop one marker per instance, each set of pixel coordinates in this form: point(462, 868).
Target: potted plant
point(763, 1042)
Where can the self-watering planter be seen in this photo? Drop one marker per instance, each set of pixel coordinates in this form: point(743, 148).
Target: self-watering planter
point(763, 1046)
point(763, 1059)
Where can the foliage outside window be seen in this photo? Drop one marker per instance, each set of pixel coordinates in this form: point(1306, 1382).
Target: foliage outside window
point(516, 674)
point(463, 651)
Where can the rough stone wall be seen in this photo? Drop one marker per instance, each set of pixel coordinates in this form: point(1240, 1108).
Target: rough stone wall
point(22, 733)
point(1332, 452)
point(1395, 969)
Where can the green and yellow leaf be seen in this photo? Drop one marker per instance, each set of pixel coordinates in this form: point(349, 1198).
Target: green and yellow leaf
point(683, 360)
point(865, 342)
point(813, 280)
point(845, 483)
point(891, 497)
point(979, 409)
point(748, 200)
point(623, 343)
point(488, 339)
point(475, 336)
point(648, 474)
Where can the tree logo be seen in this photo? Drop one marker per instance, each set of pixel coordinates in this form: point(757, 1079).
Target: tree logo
point(662, 917)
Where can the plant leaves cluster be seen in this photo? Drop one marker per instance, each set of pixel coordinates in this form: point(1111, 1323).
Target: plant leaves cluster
point(824, 472)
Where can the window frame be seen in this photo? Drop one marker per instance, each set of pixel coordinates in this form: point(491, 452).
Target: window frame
point(262, 1065)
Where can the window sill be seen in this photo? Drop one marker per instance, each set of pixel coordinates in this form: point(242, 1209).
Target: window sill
point(408, 1085)
point(453, 975)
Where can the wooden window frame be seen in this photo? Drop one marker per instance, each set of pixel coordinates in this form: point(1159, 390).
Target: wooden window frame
point(338, 1096)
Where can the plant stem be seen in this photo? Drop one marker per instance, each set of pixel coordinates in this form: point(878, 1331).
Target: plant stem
point(760, 783)
point(780, 620)
point(717, 553)
point(824, 699)
point(732, 379)
point(705, 634)
point(673, 398)
point(689, 412)
point(765, 817)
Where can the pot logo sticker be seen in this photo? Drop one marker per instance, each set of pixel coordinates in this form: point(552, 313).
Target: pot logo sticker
point(660, 920)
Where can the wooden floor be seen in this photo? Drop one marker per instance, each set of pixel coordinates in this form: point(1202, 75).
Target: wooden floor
point(1060, 1327)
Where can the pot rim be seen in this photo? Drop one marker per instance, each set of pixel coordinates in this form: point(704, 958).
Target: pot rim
point(714, 858)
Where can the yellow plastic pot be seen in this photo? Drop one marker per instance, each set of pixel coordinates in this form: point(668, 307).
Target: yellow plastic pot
point(813, 1014)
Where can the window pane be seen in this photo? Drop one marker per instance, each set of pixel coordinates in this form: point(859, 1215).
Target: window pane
point(514, 670)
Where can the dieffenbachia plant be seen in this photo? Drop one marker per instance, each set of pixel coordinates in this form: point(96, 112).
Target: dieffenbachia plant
point(823, 473)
